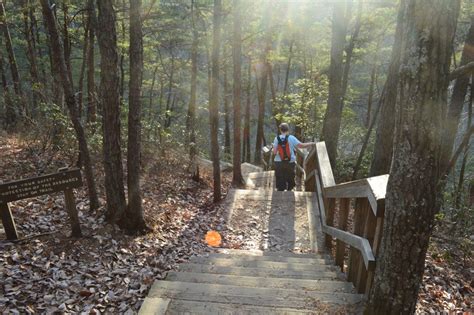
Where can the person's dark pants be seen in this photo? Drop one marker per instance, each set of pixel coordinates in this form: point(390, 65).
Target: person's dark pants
point(285, 175)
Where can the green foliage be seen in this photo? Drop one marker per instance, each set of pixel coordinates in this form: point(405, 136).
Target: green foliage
point(305, 107)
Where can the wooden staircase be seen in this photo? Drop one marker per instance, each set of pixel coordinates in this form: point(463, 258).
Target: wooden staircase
point(253, 282)
point(281, 279)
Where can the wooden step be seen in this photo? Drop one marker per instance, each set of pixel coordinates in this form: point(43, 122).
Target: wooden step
point(244, 252)
point(312, 260)
point(259, 272)
point(238, 262)
point(276, 283)
point(269, 297)
point(172, 307)
point(285, 259)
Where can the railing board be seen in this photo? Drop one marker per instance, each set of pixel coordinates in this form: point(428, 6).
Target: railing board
point(372, 188)
point(344, 205)
point(351, 239)
point(327, 177)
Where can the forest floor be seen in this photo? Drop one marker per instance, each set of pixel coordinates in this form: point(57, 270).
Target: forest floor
point(108, 271)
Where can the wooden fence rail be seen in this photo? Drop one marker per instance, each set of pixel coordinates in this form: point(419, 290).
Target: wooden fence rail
point(358, 206)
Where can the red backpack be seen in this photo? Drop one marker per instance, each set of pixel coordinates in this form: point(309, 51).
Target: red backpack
point(284, 149)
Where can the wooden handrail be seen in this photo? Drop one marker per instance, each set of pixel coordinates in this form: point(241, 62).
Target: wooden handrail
point(372, 188)
point(364, 240)
point(362, 244)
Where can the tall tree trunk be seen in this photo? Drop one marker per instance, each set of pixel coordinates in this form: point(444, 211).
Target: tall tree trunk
point(170, 94)
point(261, 92)
point(56, 86)
point(237, 179)
point(373, 76)
point(10, 114)
point(58, 58)
point(11, 58)
point(122, 54)
point(459, 189)
point(275, 108)
point(350, 51)
point(214, 100)
point(31, 55)
point(191, 118)
point(414, 190)
point(67, 40)
point(261, 73)
point(247, 152)
point(80, 98)
point(332, 119)
point(35, 39)
point(226, 112)
point(383, 148)
point(134, 219)
point(457, 100)
point(91, 92)
point(288, 67)
point(110, 99)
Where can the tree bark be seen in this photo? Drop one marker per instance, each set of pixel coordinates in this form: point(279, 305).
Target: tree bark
point(413, 191)
point(226, 112)
point(67, 40)
point(122, 55)
point(10, 114)
point(261, 92)
point(56, 86)
point(275, 107)
point(350, 51)
point(134, 219)
point(459, 189)
point(110, 99)
point(288, 67)
point(12, 58)
point(80, 97)
point(214, 100)
point(191, 119)
point(91, 91)
point(57, 52)
point(332, 119)
point(247, 152)
point(237, 179)
point(383, 148)
point(457, 100)
point(31, 55)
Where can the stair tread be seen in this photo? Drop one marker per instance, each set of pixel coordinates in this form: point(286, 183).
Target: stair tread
point(260, 272)
point(254, 252)
point(248, 295)
point(302, 260)
point(237, 262)
point(205, 308)
point(277, 283)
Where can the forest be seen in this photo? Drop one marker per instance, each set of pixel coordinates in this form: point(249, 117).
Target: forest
point(149, 118)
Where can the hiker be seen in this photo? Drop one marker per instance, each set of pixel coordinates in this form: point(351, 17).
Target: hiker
point(285, 159)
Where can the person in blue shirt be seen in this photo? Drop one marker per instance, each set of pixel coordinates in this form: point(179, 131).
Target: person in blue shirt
point(285, 159)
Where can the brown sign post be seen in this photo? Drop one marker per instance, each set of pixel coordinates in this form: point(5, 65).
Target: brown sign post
point(65, 180)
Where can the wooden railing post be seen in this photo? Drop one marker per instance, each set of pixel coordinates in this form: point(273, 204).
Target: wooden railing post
point(329, 205)
point(377, 238)
point(369, 232)
point(355, 259)
point(8, 221)
point(344, 204)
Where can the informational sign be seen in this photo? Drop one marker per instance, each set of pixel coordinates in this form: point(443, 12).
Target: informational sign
point(42, 185)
